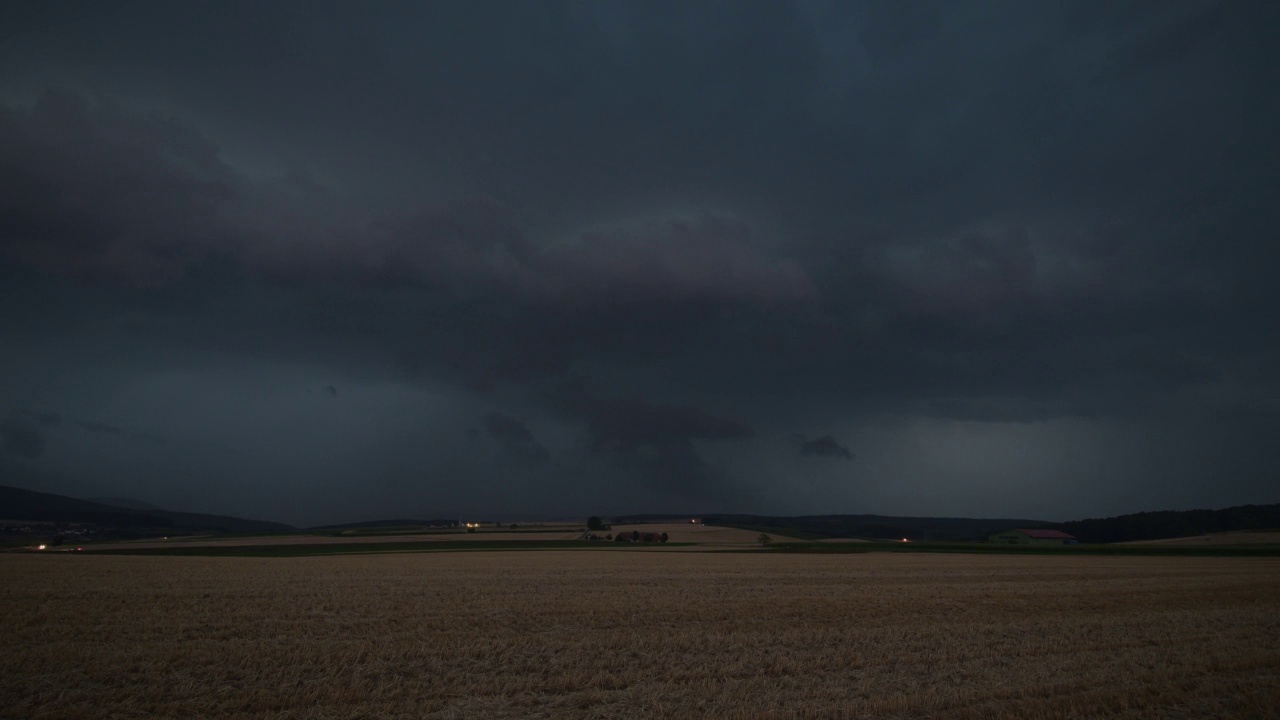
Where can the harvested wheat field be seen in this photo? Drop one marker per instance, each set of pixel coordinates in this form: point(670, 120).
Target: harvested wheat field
point(639, 635)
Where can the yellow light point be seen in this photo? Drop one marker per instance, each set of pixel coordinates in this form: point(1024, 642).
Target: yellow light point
point(42, 547)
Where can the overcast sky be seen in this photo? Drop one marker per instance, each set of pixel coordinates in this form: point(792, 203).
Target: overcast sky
point(316, 261)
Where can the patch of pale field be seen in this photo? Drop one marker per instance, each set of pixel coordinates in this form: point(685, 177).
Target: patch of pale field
point(1226, 538)
point(639, 635)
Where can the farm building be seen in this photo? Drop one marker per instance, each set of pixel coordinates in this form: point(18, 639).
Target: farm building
point(1023, 536)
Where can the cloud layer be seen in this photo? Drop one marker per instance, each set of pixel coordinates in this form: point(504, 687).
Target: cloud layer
point(639, 240)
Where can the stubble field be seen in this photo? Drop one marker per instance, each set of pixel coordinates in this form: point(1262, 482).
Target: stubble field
point(639, 634)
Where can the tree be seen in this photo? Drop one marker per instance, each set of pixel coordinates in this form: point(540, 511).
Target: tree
point(764, 539)
point(595, 523)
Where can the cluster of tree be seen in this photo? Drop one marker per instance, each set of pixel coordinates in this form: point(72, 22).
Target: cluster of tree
point(1172, 523)
point(637, 536)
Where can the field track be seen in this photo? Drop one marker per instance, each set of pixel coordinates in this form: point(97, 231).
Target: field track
point(639, 635)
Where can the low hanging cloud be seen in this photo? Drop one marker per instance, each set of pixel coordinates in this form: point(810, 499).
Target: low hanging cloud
point(825, 446)
point(48, 419)
point(101, 428)
point(658, 442)
point(98, 427)
point(21, 439)
point(624, 425)
point(977, 273)
point(515, 438)
point(680, 259)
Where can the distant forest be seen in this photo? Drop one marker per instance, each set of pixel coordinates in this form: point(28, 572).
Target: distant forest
point(874, 527)
point(1138, 526)
point(1171, 523)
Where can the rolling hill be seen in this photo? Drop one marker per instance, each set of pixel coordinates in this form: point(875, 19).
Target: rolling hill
point(1174, 523)
point(32, 506)
point(877, 527)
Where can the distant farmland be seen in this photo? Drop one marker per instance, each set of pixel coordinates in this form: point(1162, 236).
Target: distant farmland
point(705, 536)
point(639, 635)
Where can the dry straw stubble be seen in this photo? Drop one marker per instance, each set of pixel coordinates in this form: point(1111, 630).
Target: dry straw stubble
point(639, 635)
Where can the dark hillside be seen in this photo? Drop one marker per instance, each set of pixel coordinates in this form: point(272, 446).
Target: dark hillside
point(123, 502)
point(1174, 523)
point(28, 505)
point(20, 504)
point(876, 527)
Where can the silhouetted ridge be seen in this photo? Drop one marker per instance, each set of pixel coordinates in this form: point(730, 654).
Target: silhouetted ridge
point(1174, 523)
point(20, 504)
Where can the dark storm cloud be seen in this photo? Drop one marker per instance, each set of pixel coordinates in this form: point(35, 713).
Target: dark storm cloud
point(94, 190)
point(97, 427)
point(1027, 217)
point(48, 419)
point(507, 429)
point(1002, 411)
point(624, 425)
point(21, 439)
point(54, 420)
point(515, 437)
point(101, 428)
point(825, 446)
point(659, 443)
